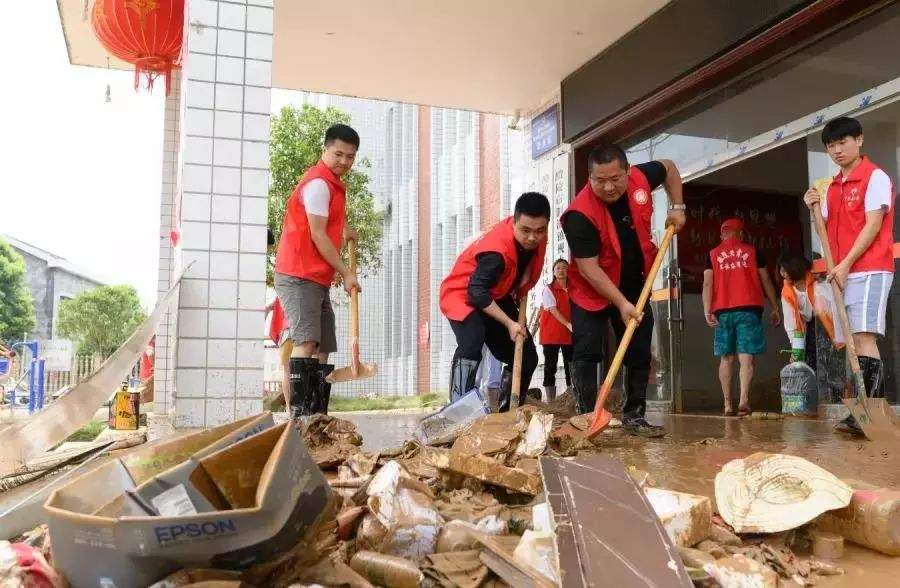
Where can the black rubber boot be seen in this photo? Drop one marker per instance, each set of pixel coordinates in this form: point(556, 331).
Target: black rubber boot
point(550, 392)
point(503, 401)
point(584, 380)
point(873, 377)
point(635, 406)
point(324, 391)
point(462, 377)
point(304, 385)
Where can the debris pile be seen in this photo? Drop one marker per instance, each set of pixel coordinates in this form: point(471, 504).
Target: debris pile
point(504, 499)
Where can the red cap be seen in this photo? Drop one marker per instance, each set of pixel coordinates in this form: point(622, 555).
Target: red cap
point(733, 224)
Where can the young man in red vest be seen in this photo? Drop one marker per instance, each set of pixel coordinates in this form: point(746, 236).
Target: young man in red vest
point(315, 228)
point(481, 294)
point(555, 322)
point(608, 228)
point(734, 282)
point(859, 216)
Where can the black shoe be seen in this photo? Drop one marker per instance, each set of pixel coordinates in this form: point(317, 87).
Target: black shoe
point(584, 380)
point(304, 385)
point(462, 377)
point(640, 427)
point(850, 427)
point(503, 401)
point(324, 391)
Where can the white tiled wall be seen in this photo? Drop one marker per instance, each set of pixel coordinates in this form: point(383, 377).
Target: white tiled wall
point(224, 184)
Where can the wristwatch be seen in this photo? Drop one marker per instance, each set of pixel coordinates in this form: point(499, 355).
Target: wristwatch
point(678, 207)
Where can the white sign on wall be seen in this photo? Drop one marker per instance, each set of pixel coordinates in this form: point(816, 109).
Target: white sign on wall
point(57, 353)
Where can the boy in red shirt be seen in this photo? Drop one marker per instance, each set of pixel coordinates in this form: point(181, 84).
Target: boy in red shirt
point(859, 217)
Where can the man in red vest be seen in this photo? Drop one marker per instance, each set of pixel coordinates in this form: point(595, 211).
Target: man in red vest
point(555, 322)
point(481, 294)
point(608, 228)
point(859, 217)
point(315, 228)
point(734, 281)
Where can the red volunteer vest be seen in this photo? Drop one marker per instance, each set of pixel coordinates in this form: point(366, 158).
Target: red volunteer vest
point(297, 254)
point(278, 323)
point(736, 279)
point(554, 332)
point(587, 203)
point(847, 217)
point(499, 239)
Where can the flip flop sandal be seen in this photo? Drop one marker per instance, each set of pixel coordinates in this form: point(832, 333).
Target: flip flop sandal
point(730, 412)
point(743, 411)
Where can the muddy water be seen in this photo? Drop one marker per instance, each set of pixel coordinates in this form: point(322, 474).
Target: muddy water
point(697, 447)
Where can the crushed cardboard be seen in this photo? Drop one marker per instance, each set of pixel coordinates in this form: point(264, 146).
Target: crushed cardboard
point(460, 569)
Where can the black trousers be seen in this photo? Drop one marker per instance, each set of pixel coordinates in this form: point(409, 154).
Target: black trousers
point(551, 361)
point(478, 330)
point(589, 335)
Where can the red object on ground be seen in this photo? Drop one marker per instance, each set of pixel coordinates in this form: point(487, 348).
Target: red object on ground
point(24, 565)
point(146, 33)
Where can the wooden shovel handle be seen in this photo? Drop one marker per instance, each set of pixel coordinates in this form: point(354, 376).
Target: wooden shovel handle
point(354, 294)
point(517, 354)
point(822, 232)
point(632, 324)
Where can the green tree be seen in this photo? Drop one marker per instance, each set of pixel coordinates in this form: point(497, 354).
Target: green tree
point(295, 144)
point(101, 319)
point(16, 306)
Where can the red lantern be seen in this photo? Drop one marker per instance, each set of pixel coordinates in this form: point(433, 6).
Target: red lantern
point(146, 33)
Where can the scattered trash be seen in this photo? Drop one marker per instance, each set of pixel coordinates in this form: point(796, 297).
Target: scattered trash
point(825, 545)
point(770, 492)
point(25, 566)
point(103, 517)
point(625, 546)
point(461, 569)
point(742, 572)
point(723, 536)
point(694, 558)
point(403, 519)
point(537, 549)
point(498, 556)
point(534, 441)
point(687, 518)
point(331, 441)
point(799, 389)
point(445, 425)
point(386, 570)
point(191, 577)
point(872, 520)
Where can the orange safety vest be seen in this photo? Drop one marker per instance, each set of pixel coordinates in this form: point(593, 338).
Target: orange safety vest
point(789, 295)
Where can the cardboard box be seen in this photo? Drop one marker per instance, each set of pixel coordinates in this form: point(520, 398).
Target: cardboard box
point(99, 541)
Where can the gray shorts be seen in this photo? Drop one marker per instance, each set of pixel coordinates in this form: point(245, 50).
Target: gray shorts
point(866, 299)
point(307, 307)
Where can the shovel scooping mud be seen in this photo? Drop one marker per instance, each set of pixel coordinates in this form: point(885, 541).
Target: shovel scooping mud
point(602, 417)
point(356, 370)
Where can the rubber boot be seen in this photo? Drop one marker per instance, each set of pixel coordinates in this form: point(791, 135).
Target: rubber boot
point(304, 385)
point(873, 377)
point(550, 392)
point(324, 391)
point(635, 404)
point(505, 390)
point(462, 377)
point(584, 380)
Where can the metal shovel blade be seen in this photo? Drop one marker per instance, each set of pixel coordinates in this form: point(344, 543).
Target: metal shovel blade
point(875, 417)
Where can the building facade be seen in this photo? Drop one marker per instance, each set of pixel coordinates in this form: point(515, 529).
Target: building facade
point(51, 279)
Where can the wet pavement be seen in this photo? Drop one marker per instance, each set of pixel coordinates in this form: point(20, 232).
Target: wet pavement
point(696, 448)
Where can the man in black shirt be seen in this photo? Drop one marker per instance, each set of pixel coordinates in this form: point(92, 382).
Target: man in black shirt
point(480, 296)
point(608, 228)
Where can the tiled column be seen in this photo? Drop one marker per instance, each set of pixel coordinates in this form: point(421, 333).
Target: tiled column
point(165, 337)
point(226, 99)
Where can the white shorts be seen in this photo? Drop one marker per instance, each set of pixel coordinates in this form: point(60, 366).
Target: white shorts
point(866, 300)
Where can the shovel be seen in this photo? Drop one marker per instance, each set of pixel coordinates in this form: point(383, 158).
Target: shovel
point(517, 353)
point(874, 415)
point(356, 370)
point(601, 415)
